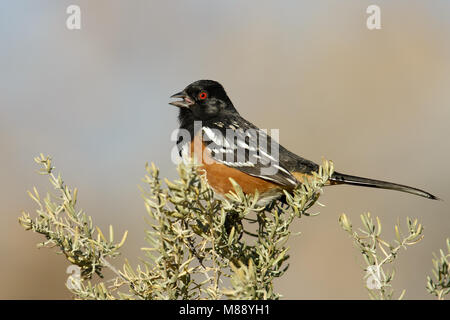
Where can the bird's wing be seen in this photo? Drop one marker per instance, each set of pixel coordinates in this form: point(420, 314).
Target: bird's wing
point(237, 143)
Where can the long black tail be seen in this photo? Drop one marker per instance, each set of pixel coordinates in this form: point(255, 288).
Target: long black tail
point(371, 183)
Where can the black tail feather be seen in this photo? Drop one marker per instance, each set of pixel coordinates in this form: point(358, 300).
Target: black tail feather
point(371, 183)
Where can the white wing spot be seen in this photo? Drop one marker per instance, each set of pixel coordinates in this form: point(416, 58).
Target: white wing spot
point(218, 140)
point(267, 155)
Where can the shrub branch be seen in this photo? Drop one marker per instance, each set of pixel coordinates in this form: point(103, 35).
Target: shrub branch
point(200, 247)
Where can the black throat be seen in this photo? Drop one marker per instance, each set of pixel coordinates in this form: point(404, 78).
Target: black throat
point(186, 119)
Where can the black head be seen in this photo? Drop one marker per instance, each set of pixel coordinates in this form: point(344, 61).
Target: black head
point(203, 99)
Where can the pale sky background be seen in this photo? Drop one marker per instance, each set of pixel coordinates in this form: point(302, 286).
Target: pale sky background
point(377, 103)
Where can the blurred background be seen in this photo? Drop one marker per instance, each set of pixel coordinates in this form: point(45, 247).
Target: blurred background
point(376, 102)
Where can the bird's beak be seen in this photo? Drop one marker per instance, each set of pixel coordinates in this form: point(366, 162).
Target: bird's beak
point(185, 103)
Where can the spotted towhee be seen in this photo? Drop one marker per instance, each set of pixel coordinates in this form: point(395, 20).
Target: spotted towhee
point(228, 146)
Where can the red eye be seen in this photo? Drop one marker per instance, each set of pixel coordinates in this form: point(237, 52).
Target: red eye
point(202, 95)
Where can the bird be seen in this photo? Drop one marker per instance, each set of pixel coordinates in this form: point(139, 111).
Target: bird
point(214, 134)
